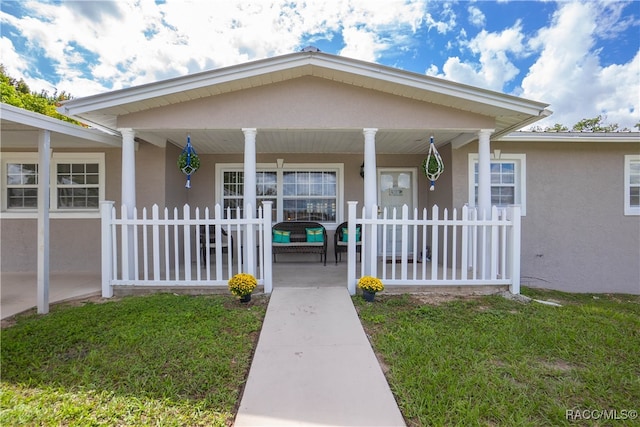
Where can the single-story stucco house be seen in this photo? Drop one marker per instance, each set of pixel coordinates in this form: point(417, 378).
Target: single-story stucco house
point(309, 132)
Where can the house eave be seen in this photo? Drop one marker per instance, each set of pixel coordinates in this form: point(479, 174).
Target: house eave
point(574, 137)
point(104, 109)
point(36, 121)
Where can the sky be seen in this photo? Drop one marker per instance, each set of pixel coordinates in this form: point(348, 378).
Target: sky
point(581, 57)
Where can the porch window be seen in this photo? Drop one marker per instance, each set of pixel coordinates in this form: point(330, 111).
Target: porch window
point(298, 193)
point(22, 185)
point(507, 180)
point(77, 182)
point(632, 184)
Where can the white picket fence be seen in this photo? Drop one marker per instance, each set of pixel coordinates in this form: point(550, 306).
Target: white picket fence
point(465, 249)
point(164, 249)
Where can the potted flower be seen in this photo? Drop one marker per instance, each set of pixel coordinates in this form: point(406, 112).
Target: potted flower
point(370, 285)
point(241, 285)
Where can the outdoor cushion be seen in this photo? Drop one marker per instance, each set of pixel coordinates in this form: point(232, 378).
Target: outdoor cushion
point(280, 236)
point(345, 234)
point(315, 234)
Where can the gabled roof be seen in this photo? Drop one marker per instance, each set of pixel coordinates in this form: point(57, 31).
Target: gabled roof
point(511, 113)
point(20, 128)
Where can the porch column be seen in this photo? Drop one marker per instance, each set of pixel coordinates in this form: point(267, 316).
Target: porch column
point(249, 168)
point(128, 189)
point(484, 197)
point(370, 195)
point(44, 166)
point(249, 196)
point(484, 172)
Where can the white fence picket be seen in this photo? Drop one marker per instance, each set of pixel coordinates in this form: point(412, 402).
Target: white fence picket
point(466, 248)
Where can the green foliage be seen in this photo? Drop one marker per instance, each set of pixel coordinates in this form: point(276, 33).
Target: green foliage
point(154, 360)
point(594, 125)
point(493, 361)
point(17, 93)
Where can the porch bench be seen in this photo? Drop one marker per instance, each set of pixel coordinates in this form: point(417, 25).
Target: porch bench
point(297, 239)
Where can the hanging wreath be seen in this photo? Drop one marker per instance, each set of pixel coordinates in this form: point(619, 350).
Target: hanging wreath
point(433, 166)
point(188, 161)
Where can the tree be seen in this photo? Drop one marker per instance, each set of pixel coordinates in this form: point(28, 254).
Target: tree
point(594, 125)
point(17, 93)
point(556, 128)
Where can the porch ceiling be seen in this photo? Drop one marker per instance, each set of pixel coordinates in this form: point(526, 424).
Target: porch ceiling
point(313, 141)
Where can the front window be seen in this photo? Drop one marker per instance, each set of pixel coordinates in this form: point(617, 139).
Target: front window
point(632, 185)
point(298, 193)
point(22, 185)
point(507, 180)
point(78, 185)
point(76, 182)
point(309, 196)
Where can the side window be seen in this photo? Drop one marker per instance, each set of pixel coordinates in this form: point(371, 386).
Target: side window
point(508, 180)
point(632, 184)
point(77, 182)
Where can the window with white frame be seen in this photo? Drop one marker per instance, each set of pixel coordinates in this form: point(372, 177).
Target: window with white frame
point(508, 180)
point(298, 192)
point(77, 182)
point(632, 184)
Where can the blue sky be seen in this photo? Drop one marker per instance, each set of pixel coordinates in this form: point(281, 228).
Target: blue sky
point(581, 57)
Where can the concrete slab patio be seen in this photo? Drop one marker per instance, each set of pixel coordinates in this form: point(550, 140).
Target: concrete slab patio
point(314, 366)
point(18, 291)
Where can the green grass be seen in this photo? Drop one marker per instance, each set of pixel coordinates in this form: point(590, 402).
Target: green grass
point(491, 361)
point(155, 360)
point(181, 360)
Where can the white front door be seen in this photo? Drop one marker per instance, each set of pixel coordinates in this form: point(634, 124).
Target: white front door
point(396, 188)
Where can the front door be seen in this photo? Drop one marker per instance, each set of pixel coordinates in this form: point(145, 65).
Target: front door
point(396, 188)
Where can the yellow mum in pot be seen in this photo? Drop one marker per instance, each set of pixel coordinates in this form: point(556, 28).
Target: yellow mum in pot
point(242, 284)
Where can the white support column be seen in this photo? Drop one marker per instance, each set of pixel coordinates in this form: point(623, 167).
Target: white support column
point(249, 194)
point(128, 189)
point(249, 167)
point(484, 198)
point(370, 187)
point(370, 191)
point(44, 167)
point(484, 172)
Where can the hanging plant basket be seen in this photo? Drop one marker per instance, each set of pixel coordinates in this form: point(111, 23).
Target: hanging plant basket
point(433, 166)
point(188, 161)
point(183, 163)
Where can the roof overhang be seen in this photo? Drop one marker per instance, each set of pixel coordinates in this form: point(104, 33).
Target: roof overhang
point(577, 137)
point(20, 128)
point(510, 113)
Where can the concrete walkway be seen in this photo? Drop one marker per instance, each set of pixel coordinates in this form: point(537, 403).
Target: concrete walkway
point(314, 366)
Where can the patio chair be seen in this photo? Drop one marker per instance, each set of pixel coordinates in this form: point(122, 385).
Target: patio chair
point(212, 245)
point(340, 240)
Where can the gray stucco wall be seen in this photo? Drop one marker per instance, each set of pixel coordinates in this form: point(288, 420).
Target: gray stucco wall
point(575, 236)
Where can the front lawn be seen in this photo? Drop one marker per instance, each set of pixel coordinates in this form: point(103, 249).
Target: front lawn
point(491, 361)
point(155, 360)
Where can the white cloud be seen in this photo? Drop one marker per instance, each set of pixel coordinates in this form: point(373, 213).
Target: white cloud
point(493, 68)
point(116, 44)
point(568, 73)
point(448, 23)
point(476, 17)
